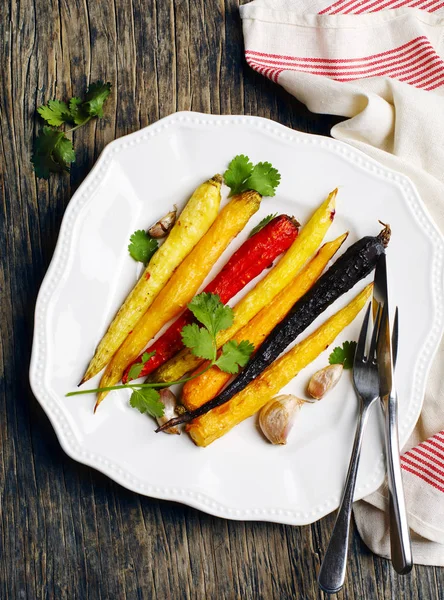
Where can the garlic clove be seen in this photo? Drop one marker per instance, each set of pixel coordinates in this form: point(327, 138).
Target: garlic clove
point(276, 418)
point(324, 380)
point(163, 225)
point(169, 401)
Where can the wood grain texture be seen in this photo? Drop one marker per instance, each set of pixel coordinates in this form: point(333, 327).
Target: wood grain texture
point(67, 532)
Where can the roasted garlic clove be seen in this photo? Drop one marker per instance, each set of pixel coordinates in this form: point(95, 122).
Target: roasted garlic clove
point(324, 380)
point(277, 417)
point(169, 401)
point(163, 226)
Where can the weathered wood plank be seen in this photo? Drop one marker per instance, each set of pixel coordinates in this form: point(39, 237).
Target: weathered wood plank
point(67, 532)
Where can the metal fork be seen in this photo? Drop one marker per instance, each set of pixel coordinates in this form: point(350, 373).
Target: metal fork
point(366, 381)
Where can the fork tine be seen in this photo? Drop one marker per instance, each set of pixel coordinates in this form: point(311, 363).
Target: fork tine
point(374, 340)
point(362, 341)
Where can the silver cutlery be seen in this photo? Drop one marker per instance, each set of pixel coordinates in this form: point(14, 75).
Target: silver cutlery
point(366, 381)
point(401, 551)
point(373, 377)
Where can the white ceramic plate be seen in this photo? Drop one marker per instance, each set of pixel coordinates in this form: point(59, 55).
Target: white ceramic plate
point(135, 181)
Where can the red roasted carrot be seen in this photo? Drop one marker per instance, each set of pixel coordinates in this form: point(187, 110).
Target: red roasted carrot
point(255, 254)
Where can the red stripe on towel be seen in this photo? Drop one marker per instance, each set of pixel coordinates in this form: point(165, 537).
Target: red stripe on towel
point(357, 7)
point(414, 62)
point(424, 478)
point(427, 461)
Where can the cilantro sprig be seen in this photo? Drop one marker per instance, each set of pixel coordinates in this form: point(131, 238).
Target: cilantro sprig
point(147, 400)
point(142, 246)
point(262, 224)
point(136, 368)
point(53, 150)
point(343, 355)
point(212, 316)
point(242, 175)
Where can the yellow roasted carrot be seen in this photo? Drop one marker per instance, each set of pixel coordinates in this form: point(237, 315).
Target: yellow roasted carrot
point(251, 399)
point(183, 284)
point(202, 389)
point(305, 245)
point(193, 222)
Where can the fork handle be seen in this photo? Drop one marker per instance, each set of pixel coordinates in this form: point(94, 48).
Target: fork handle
point(332, 572)
point(401, 550)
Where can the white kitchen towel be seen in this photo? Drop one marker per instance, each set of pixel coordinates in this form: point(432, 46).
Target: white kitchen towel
point(382, 67)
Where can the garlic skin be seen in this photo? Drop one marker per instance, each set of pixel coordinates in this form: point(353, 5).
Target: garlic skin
point(276, 418)
point(163, 225)
point(324, 380)
point(168, 399)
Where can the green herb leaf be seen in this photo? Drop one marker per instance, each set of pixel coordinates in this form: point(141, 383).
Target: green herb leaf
point(237, 174)
point(262, 224)
point(136, 368)
point(209, 310)
point(241, 176)
point(147, 400)
point(264, 179)
point(199, 340)
point(95, 97)
point(343, 356)
point(142, 246)
point(77, 114)
point(53, 152)
point(55, 113)
point(234, 355)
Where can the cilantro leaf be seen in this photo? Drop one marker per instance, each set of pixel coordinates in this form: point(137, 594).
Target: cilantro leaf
point(95, 97)
point(237, 174)
point(264, 179)
point(147, 355)
point(142, 246)
point(77, 114)
point(199, 340)
point(64, 151)
point(234, 355)
point(343, 356)
point(147, 400)
point(209, 310)
point(55, 113)
point(136, 368)
point(241, 175)
point(53, 152)
point(262, 224)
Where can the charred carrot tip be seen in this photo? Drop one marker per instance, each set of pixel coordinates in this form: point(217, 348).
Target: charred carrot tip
point(217, 178)
point(385, 234)
point(185, 418)
point(295, 221)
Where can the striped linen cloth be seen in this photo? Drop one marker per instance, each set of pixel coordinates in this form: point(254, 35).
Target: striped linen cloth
point(381, 64)
point(416, 62)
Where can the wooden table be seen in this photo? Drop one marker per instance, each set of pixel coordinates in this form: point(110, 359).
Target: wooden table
point(66, 530)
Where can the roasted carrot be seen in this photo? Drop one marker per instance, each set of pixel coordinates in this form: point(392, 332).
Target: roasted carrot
point(202, 389)
point(255, 254)
point(305, 245)
point(252, 398)
point(183, 284)
point(193, 222)
point(356, 263)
